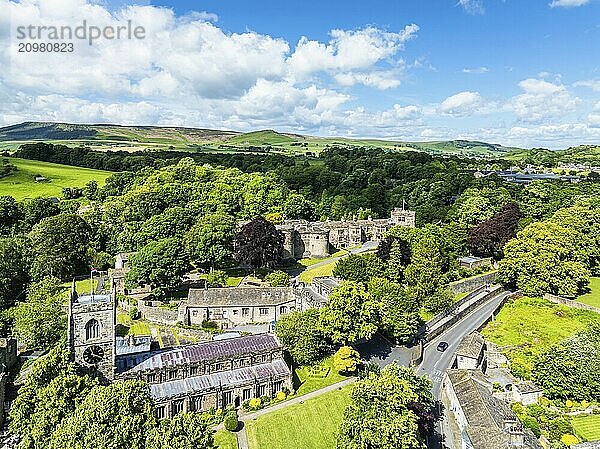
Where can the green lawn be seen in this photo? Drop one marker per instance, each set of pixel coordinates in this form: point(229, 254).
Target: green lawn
point(83, 287)
point(224, 439)
point(21, 184)
point(526, 326)
point(309, 425)
point(309, 383)
point(587, 427)
point(593, 297)
point(137, 327)
point(322, 270)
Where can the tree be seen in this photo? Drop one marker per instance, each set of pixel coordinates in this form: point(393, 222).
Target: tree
point(488, 238)
point(217, 278)
point(545, 257)
point(301, 334)
point(398, 258)
point(184, 431)
point(399, 312)
point(60, 246)
point(210, 240)
point(10, 215)
point(259, 244)
point(43, 370)
point(160, 264)
point(91, 189)
point(36, 209)
point(297, 206)
point(424, 275)
point(350, 314)
point(569, 370)
point(346, 360)
point(358, 268)
point(14, 270)
point(40, 321)
point(389, 410)
point(278, 279)
point(118, 416)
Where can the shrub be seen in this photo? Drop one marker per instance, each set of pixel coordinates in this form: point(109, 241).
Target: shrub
point(217, 278)
point(532, 424)
point(278, 279)
point(346, 360)
point(255, 403)
point(231, 421)
point(280, 396)
point(569, 440)
point(133, 313)
point(206, 324)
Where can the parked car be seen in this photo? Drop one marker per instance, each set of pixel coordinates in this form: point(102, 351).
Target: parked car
point(442, 346)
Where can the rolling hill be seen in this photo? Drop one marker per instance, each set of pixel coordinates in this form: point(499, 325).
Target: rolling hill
point(135, 138)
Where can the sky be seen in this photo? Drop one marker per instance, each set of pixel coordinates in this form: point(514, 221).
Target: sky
point(522, 73)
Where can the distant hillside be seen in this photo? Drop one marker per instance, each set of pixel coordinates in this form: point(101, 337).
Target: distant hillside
point(583, 154)
point(135, 138)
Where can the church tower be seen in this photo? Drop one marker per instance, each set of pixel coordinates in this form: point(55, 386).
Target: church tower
point(91, 332)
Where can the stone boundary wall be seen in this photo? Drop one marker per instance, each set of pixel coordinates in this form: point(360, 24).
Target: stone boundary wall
point(430, 332)
point(158, 314)
point(570, 303)
point(454, 307)
point(470, 284)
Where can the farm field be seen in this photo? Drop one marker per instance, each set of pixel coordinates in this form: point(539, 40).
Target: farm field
point(587, 427)
point(310, 425)
point(21, 184)
point(527, 326)
point(593, 297)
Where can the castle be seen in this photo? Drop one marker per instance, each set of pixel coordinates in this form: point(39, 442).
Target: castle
point(197, 377)
point(317, 238)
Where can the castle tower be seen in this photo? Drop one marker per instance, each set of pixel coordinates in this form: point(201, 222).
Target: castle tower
point(403, 217)
point(91, 332)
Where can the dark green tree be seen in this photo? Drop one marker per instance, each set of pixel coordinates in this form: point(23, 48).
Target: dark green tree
point(184, 431)
point(259, 244)
point(210, 241)
point(301, 334)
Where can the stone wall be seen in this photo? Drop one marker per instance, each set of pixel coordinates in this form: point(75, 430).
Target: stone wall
point(470, 284)
point(158, 314)
point(570, 303)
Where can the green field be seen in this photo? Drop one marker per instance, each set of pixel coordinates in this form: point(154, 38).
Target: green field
point(309, 425)
point(587, 427)
point(313, 272)
point(527, 326)
point(21, 184)
point(224, 439)
point(593, 297)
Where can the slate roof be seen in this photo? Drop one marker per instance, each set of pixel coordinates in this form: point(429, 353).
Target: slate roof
point(213, 350)
point(276, 369)
point(328, 281)
point(484, 413)
point(240, 296)
point(471, 346)
point(90, 299)
point(528, 387)
point(141, 343)
point(470, 259)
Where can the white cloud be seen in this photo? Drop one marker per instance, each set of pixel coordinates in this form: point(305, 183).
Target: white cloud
point(592, 84)
point(472, 6)
point(378, 80)
point(461, 104)
point(542, 100)
point(567, 3)
point(476, 70)
point(348, 50)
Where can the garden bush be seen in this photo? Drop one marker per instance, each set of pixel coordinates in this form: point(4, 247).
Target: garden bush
point(231, 421)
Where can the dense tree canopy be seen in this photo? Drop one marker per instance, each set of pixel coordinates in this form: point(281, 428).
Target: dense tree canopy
point(389, 410)
point(301, 333)
point(210, 240)
point(489, 237)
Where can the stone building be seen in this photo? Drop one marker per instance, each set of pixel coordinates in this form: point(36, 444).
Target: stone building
point(484, 421)
point(118, 273)
point(317, 239)
point(470, 353)
point(216, 374)
point(8, 358)
point(236, 306)
point(472, 262)
point(526, 393)
point(189, 378)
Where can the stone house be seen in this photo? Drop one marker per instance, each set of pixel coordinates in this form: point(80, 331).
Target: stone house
point(118, 273)
point(484, 421)
point(470, 353)
point(526, 393)
point(189, 378)
point(237, 306)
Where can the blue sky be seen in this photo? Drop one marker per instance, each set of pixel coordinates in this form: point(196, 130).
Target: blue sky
point(523, 73)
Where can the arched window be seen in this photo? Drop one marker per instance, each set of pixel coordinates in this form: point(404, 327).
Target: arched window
point(92, 329)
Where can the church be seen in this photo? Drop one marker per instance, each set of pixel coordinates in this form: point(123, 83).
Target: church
point(189, 378)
